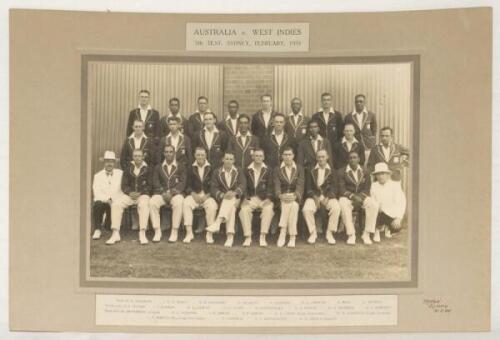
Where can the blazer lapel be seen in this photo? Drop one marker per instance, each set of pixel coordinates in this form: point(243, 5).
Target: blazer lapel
point(234, 173)
point(222, 179)
point(148, 115)
point(203, 140)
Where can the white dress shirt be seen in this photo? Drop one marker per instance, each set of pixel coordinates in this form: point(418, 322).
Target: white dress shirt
point(174, 140)
point(137, 140)
point(387, 152)
point(137, 169)
point(267, 117)
point(209, 137)
point(315, 142)
point(256, 173)
point(354, 172)
point(201, 169)
point(279, 138)
point(390, 197)
point(349, 143)
point(227, 175)
point(144, 112)
point(107, 186)
point(234, 123)
point(169, 166)
point(321, 174)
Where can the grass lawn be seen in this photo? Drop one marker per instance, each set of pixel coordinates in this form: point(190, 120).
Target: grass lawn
point(386, 261)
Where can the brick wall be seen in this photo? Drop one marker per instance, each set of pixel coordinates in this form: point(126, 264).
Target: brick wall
point(246, 83)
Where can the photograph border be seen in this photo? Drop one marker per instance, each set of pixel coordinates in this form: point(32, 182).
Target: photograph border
point(84, 280)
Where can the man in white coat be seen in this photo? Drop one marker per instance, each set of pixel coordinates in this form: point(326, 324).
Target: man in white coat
point(106, 188)
point(391, 200)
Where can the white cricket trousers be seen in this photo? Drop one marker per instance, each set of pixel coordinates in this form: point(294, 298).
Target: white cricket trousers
point(371, 211)
point(157, 202)
point(248, 206)
point(333, 207)
point(210, 207)
point(289, 217)
point(126, 201)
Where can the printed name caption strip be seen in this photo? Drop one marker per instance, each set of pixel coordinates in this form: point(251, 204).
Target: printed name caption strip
point(246, 311)
point(248, 37)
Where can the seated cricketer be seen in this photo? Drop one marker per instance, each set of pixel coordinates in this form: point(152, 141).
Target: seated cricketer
point(391, 201)
point(243, 144)
point(169, 182)
point(228, 186)
point(138, 140)
point(288, 181)
point(212, 140)
point(354, 186)
point(311, 144)
point(180, 142)
point(198, 189)
point(106, 188)
point(321, 190)
point(394, 155)
point(136, 187)
point(259, 195)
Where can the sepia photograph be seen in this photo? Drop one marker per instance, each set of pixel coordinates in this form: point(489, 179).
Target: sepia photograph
point(251, 171)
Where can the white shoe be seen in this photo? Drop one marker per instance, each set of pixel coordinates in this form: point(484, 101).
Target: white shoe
point(157, 236)
point(262, 241)
point(229, 241)
point(247, 242)
point(281, 238)
point(366, 238)
point(312, 238)
point(351, 240)
point(189, 237)
point(213, 228)
point(210, 238)
point(97, 234)
point(376, 236)
point(291, 242)
point(142, 237)
point(387, 232)
point(115, 237)
point(329, 237)
point(173, 236)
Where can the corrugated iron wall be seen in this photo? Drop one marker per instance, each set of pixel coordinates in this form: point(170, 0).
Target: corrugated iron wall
point(387, 88)
point(113, 91)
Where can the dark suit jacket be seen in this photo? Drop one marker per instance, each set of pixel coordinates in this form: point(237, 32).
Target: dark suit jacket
point(284, 185)
point(329, 188)
point(299, 130)
point(141, 183)
point(258, 126)
point(165, 130)
point(333, 128)
point(306, 155)
point(194, 125)
point(148, 148)
point(227, 127)
point(219, 145)
point(367, 132)
point(152, 127)
point(264, 187)
point(243, 153)
point(220, 187)
point(183, 152)
point(398, 159)
point(163, 181)
point(195, 183)
point(273, 150)
point(341, 154)
point(348, 185)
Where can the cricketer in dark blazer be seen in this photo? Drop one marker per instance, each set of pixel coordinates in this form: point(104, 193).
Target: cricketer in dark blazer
point(152, 127)
point(146, 145)
point(341, 153)
point(365, 127)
